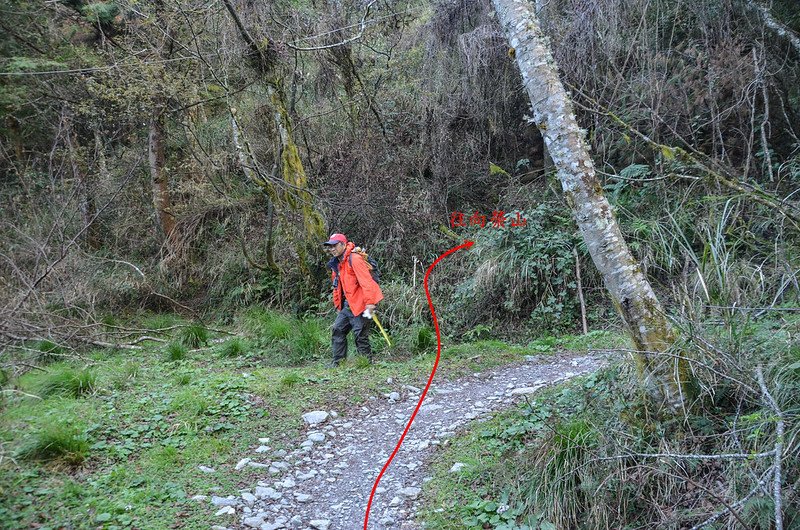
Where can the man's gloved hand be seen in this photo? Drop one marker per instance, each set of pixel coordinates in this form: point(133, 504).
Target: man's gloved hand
point(368, 311)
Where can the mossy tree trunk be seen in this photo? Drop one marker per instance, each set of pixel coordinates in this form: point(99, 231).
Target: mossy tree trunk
point(665, 376)
point(294, 192)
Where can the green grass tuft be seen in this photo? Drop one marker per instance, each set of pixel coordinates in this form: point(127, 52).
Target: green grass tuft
point(560, 469)
point(56, 442)
point(425, 341)
point(234, 347)
point(308, 344)
point(49, 350)
point(175, 351)
point(362, 362)
point(291, 379)
point(160, 321)
point(194, 336)
point(68, 382)
point(268, 326)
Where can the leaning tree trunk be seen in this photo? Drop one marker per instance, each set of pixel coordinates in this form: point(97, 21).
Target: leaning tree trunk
point(629, 289)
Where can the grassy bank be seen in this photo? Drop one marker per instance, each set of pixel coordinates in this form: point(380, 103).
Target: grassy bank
point(582, 455)
point(115, 439)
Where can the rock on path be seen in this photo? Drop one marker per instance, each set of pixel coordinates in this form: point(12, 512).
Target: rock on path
point(324, 483)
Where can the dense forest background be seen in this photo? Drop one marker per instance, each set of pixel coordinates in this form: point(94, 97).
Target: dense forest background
point(145, 146)
point(190, 156)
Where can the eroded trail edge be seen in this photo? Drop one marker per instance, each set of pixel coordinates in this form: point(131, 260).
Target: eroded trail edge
point(323, 483)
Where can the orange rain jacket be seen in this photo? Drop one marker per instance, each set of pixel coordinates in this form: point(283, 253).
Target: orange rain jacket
point(354, 281)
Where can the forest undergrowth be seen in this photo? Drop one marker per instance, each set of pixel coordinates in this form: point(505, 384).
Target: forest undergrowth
point(595, 454)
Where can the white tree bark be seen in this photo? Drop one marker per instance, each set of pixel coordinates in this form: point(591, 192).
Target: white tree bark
point(566, 143)
point(775, 25)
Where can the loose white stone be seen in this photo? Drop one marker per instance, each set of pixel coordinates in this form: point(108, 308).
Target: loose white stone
point(263, 448)
point(227, 510)
point(316, 437)
point(253, 522)
point(526, 390)
point(223, 501)
point(315, 417)
point(268, 493)
point(206, 469)
point(243, 462)
point(410, 493)
point(458, 466)
point(320, 524)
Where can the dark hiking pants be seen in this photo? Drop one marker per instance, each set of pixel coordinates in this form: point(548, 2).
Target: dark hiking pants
point(345, 322)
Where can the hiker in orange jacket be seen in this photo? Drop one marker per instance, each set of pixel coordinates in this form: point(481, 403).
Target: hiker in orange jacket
point(354, 290)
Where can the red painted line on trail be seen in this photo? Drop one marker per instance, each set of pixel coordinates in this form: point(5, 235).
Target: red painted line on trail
point(466, 244)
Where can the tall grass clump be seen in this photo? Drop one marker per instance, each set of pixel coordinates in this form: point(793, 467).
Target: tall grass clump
point(309, 341)
point(68, 382)
point(268, 327)
point(234, 347)
point(194, 336)
point(560, 471)
point(425, 340)
point(160, 321)
point(48, 351)
point(175, 351)
point(56, 442)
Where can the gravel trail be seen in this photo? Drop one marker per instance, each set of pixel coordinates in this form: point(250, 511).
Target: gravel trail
point(324, 483)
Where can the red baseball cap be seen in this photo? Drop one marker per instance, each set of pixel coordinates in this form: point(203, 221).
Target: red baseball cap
point(336, 238)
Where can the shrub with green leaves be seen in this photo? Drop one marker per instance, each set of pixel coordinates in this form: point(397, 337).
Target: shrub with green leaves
point(57, 441)
point(68, 382)
point(524, 274)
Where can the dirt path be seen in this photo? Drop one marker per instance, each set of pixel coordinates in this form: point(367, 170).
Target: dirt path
point(325, 483)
